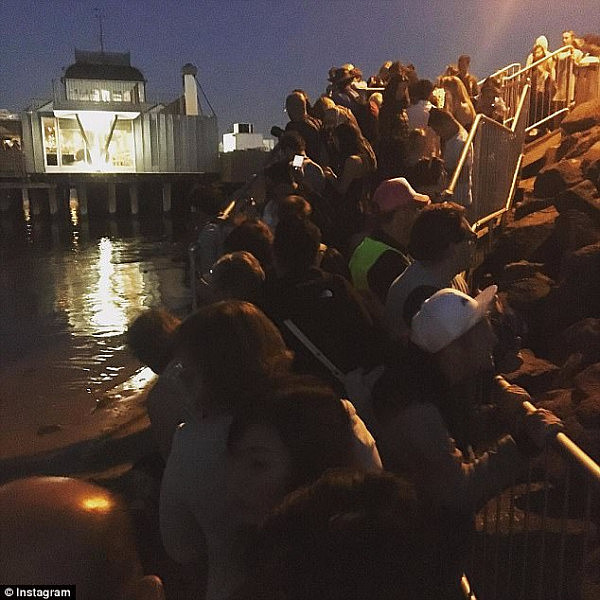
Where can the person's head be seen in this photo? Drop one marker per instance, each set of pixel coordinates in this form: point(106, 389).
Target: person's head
point(397, 205)
point(568, 37)
point(322, 105)
point(441, 233)
point(150, 335)
point(349, 536)
point(283, 440)
point(295, 105)
point(464, 61)
point(296, 246)
point(252, 236)
point(456, 92)
point(376, 98)
point(490, 88)
point(236, 276)
point(229, 350)
point(294, 206)
point(58, 530)
point(451, 71)
point(443, 123)
point(384, 71)
point(420, 90)
point(279, 180)
point(456, 329)
point(292, 143)
point(538, 52)
point(417, 143)
point(348, 140)
point(396, 90)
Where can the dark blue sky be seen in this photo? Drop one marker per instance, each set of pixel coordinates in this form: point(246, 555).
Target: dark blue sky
point(251, 53)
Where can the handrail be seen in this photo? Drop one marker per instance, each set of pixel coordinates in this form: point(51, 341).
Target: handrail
point(564, 443)
point(499, 72)
point(536, 63)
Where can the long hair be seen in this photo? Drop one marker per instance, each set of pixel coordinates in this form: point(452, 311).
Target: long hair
point(460, 105)
point(234, 348)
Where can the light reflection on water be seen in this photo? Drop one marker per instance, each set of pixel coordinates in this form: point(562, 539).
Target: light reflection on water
point(66, 297)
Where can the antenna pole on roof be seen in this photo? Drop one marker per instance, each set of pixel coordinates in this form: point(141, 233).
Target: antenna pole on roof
point(99, 15)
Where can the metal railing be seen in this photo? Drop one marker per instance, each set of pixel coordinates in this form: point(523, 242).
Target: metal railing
point(553, 89)
point(496, 160)
point(533, 541)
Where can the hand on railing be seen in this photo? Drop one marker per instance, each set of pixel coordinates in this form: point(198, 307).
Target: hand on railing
point(530, 427)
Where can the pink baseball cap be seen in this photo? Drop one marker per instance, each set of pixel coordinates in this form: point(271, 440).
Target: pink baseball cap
point(447, 315)
point(397, 193)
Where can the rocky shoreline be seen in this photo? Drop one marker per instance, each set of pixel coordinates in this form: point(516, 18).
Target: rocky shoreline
point(546, 262)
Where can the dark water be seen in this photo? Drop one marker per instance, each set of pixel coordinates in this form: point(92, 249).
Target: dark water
point(67, 292)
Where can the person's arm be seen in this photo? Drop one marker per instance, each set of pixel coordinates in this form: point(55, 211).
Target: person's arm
point(364, 446)
point(181, 533)
point(420, 434)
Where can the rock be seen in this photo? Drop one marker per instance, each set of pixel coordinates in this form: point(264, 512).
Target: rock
point(535, 374)
point(575, 229)
point(583, 337)
point(582, 197)
point(559, 401)
point(558, 177)
point(587, 396)
point(577, 295)
point(567, 142)
point(590, 164)
point(521, 269)
point(584, 141)
point(522, 293)
point(591, 156)
point(519, 239)
point(582, 117)
point(531, 204)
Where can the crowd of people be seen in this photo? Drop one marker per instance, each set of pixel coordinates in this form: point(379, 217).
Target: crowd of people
point(328, 420)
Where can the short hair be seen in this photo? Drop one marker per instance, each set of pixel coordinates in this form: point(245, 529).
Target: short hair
point(252, 236)
point(435, 228)
point(296, 245)
point(464, 58)
point(351, 535)
point(238, 275)
point(150, 335)
point(292, 140)
point(310, 420)
point(348, 138)
point(293, 206)
point(234, 348)
point(295, 104)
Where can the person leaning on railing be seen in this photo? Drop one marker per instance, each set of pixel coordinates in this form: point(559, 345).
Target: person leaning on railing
point(429, 412)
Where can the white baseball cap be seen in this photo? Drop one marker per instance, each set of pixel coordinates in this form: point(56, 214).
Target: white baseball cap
point(447, 315)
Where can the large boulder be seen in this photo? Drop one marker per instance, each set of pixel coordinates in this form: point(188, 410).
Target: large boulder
point(587, 396)
point(519, 239)
point(577, 295)
point(576, 227)
point(582, 197)
point(558, 177)
point(590, 164)
point(576, 144)
point(534, 374)
point(582, 117)
point(531, 204)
